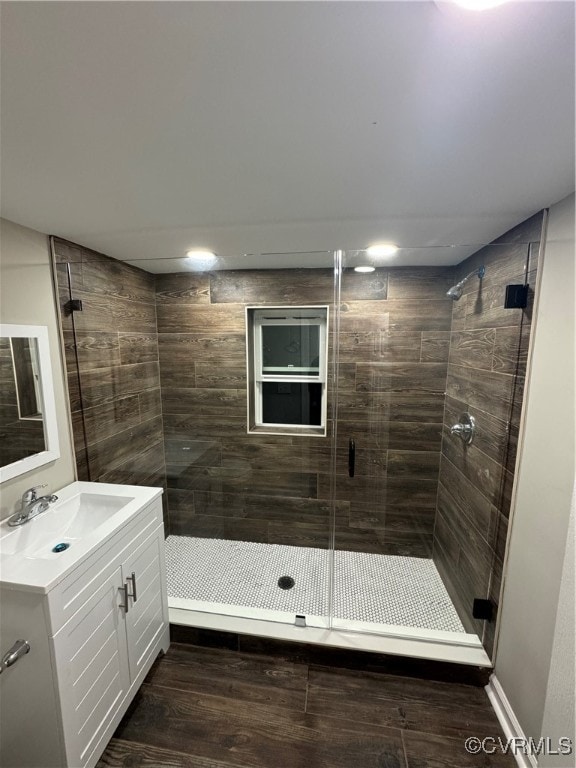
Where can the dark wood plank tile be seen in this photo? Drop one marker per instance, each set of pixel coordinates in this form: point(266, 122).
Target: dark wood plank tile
point(212, 376)
point(211, 402)
point(396, 314)
point(190, 318)
point(243, 481)
point(150, 404)
point(218, 348)
point(401, 377)
point(251, 451)
point(278, 286)
point(295, 510)
point(370, 516)
point(300, 534)
point(346, 376)
point(183, 288)
point(243, 677)
point(393, 494)
point(420, 282)
point(488, 391)
point(207, 638)
point(92, 349)
point(145, 467)
point(187, 453)
point(435, 346)
point(356, 540)
point(202, 426)
point(231, 529)
point(510, 349)
point(138, 347)
point(377, 407)
point(215, 504)
point(466, 496)
point(131, 754)
point(419, 705)
point(414, 435)
point(180, 503)
point(215, 727)
point(472, 542)
point(110, 314)
point(379, 346)
point(473, 349)
point(426, 750)
point(112, 279)
point(128, 445)
point(104, 385)
point(420, 464)
point(177, 374)
point(405, 543)
point(109, 418)
point(480, 470)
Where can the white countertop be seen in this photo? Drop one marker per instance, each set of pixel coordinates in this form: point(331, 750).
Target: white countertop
point(26, 558)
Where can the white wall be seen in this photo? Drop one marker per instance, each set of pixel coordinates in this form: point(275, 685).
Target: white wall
point(559, 712)
point(544, 488)
point(27, 297)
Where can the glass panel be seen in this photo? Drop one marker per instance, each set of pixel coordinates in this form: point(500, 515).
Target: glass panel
point(420, 347)
point(248, 514)
point(291, 350)
point(291, 403)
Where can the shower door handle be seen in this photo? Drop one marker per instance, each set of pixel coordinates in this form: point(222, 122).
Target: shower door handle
point(351, 457)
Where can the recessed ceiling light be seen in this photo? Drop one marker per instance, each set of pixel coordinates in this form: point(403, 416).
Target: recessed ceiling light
point(382, 249)
point(201, 255)
point(364, 268)
point(479, 5)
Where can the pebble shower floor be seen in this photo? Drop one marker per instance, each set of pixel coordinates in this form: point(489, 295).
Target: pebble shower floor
point(381, 589)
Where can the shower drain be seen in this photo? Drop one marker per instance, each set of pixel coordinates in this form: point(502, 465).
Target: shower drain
point(286, 582)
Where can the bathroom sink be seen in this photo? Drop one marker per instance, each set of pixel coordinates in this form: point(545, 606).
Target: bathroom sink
point(37, 554)
point(64, 522)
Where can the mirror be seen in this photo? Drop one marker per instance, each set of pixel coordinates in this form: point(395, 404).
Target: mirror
point(28, 429)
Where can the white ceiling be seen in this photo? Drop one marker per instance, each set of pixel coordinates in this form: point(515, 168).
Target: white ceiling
point(144, 129)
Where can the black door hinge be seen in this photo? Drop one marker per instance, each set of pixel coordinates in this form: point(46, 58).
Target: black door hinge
point(74, 305)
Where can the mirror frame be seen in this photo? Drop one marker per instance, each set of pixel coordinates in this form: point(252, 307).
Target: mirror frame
point(52, 451)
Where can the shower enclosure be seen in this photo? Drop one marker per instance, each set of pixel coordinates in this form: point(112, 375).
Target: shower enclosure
point(300, 416)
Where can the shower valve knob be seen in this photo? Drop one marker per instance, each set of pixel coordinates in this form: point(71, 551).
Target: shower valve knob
point(465, 428)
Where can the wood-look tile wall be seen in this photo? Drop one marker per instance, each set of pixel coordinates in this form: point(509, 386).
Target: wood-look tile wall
point(111, 351)
point(486, 372)
point(223, 482)
point(18, 437)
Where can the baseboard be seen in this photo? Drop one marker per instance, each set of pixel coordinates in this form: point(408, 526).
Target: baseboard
point(508, 720)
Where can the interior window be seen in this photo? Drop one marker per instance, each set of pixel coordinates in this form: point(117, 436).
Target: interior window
point(287, 350)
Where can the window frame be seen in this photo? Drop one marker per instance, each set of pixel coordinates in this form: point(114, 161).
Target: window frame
point(258, 317)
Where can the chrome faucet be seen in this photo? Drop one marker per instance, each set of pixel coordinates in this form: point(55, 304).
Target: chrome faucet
point(32, 505)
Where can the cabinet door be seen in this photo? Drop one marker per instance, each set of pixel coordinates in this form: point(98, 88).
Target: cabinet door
point(91, 659)
point(145, 616)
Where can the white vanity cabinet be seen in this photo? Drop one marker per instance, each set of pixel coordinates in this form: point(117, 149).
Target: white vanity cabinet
point(104, 624)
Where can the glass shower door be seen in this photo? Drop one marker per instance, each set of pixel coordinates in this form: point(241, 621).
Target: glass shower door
point(393, 351)
point(422, 514)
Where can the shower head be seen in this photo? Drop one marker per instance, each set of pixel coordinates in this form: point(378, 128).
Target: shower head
point(457, 290)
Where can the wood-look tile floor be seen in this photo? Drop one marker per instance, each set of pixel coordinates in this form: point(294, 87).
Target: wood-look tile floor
point(216, 708)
